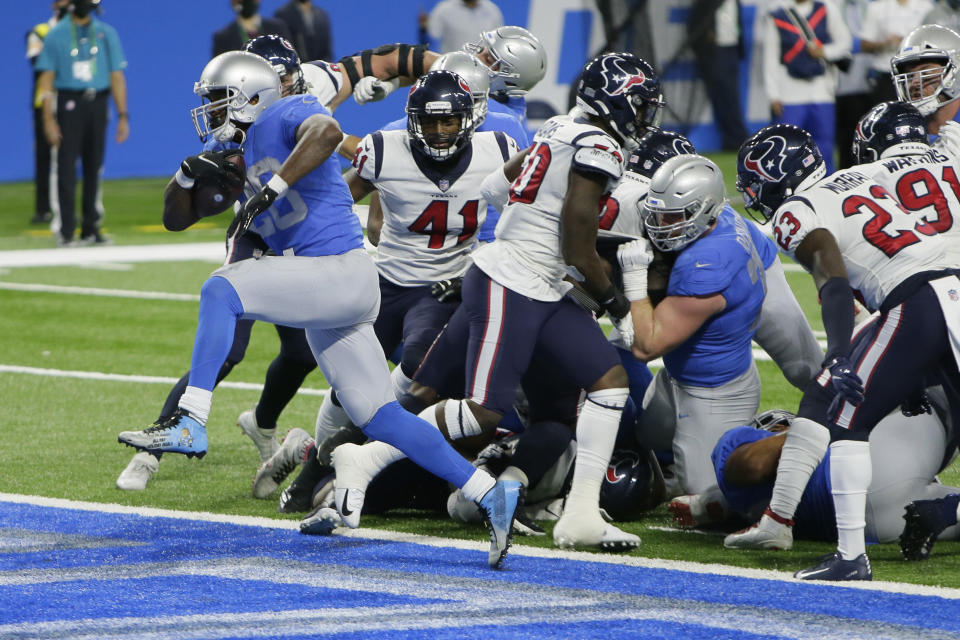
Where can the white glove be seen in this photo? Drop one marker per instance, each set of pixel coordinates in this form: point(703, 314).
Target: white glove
point(634, 258)
point(622, 333)
point(370, 89)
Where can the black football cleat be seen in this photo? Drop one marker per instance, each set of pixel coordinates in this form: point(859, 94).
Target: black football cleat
point(835, 568)
point(925, 520)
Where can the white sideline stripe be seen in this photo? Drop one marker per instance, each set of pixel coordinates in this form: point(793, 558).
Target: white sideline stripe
point(118, 377)
point(95, 291)
point(433, 541)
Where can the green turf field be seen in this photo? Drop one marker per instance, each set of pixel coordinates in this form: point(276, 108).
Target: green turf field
point(58, 435)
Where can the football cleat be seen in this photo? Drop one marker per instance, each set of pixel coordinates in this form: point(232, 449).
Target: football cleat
point(180, 433)
point(291, 453)
point(500, 505)
point(925, 520)
point(584, 530)
point(835, 568)
point(138, 472)
point(294, 501)
point(526, 526)
point(350, 484)
point(320, 522)
point(694, 510)
point(267, 445)
point(768, 533)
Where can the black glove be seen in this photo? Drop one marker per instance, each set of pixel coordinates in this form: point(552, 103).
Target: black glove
point(447, 290)
point(846, 384)
point(213, 166)
point(916, 404)
point(614, 303)
point(253, 207)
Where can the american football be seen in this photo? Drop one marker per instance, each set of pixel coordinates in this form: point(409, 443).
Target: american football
point(213, 196)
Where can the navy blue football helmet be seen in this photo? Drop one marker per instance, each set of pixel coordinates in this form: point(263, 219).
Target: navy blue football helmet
point(434, 96)
point(772, 164)
point(656, 147)
point(623, 90)
point(281, 54)
point(887, 125)
point(632, 485)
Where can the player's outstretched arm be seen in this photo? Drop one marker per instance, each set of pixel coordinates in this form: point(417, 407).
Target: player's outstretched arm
point(398, 64)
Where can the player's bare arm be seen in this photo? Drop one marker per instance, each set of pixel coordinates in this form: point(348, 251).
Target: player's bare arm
point(317, 138)
point(578, 230)
point(661, 329)
point(178, 213)
point(820, 255)
point(754, 462)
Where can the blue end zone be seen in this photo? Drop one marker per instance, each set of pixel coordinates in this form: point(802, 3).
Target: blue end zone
point(71, 572)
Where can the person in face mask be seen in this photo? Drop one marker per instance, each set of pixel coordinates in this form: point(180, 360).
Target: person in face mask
point(248, 25)
point(81, 66)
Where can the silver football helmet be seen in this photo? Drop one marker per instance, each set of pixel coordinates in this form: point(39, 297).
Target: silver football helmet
point(924, 88)
point(236, 86)
point(773, 420)
point(519, 60)
point(477, 75)
point(686, 195)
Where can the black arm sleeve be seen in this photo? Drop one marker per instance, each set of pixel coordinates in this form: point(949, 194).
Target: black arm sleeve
point(837, 301)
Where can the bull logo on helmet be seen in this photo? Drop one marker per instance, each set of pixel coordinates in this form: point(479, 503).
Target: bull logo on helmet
point(620, 469)
point(618, 78)
point(766, 159)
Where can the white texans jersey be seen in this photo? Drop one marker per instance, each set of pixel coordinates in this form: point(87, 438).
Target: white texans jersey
point(926, 185)
point(324, 80)
point(948, 140)
point(430, 219)
point(620, 213)
point(882, 244)
point(526, 255)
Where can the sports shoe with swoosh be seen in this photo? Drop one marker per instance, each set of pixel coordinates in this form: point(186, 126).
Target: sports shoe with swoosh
point(835, 568)
point(351, 483)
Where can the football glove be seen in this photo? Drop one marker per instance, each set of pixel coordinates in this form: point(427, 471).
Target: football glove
point(253, 207)
point(447, 290)
point(212, 166)
point(845, 383)
point(916, 404)
point(370, 89)
point(624, 327)
point(634, 258)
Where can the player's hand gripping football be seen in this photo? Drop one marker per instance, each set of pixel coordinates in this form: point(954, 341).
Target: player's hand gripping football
point(212, 166)
point(634, 258)
point(254, 206)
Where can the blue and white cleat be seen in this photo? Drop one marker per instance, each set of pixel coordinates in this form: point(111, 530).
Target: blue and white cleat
point(835, 568)
point(180, 433)
point(320, 522)
point(499, 506)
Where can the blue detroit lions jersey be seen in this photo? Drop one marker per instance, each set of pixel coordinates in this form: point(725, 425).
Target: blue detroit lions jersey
point(515, 107)
point(723, 261)
point(509, 125)
point(315, 217)
point(815, 517)
point(766, 248)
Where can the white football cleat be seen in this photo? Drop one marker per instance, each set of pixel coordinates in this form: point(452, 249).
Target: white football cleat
point(267, 444)
point(696, 509)
point(351, 483)
point(138, 472)
point(766, 534)
point(590, 530)
point(274, 471)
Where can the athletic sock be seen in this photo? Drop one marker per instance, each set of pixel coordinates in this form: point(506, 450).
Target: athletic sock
point(850, 475)
point(196, 402)
point(804, 448)
point(596, 433)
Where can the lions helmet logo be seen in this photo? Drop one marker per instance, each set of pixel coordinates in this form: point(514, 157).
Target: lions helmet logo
point(621, 468)
point(617, 78)
point(766, 159)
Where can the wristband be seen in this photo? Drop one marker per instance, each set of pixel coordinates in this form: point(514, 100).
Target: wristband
point(615, 303)
point(278, 185)
point(183, 180)
point(635, 284)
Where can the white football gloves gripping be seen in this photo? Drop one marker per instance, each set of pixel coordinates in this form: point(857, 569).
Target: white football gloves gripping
point(634, 258)
point(371, 89)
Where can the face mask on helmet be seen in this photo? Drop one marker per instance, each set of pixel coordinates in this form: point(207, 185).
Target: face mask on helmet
point(236, 87)
point(440, 115)
point(516, 58)
point(685, 197)
point(773, 420)
point(926, 69)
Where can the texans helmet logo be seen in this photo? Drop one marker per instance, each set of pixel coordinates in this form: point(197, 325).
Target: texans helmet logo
point(618, 78)
point(766, 159)
point(464, 85)
point(620, 470)
point(682, 147)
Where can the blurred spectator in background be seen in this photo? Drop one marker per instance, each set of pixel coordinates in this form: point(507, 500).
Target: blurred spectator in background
point(886, 24)
point(248, 25)
point(82, 60)
point(453, 23)
point(945, 13)
point(42, 212)
point(802, 42)
point(853, 86)
point(309, 29)
point(715, 34)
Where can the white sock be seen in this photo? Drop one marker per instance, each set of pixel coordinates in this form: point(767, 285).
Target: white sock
point(196, 402)
point(804, 448)
point(330, 419)
point(596, 433)
point(850, 475)
point(461, 423)
point(478, 485)
point(400, 383)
